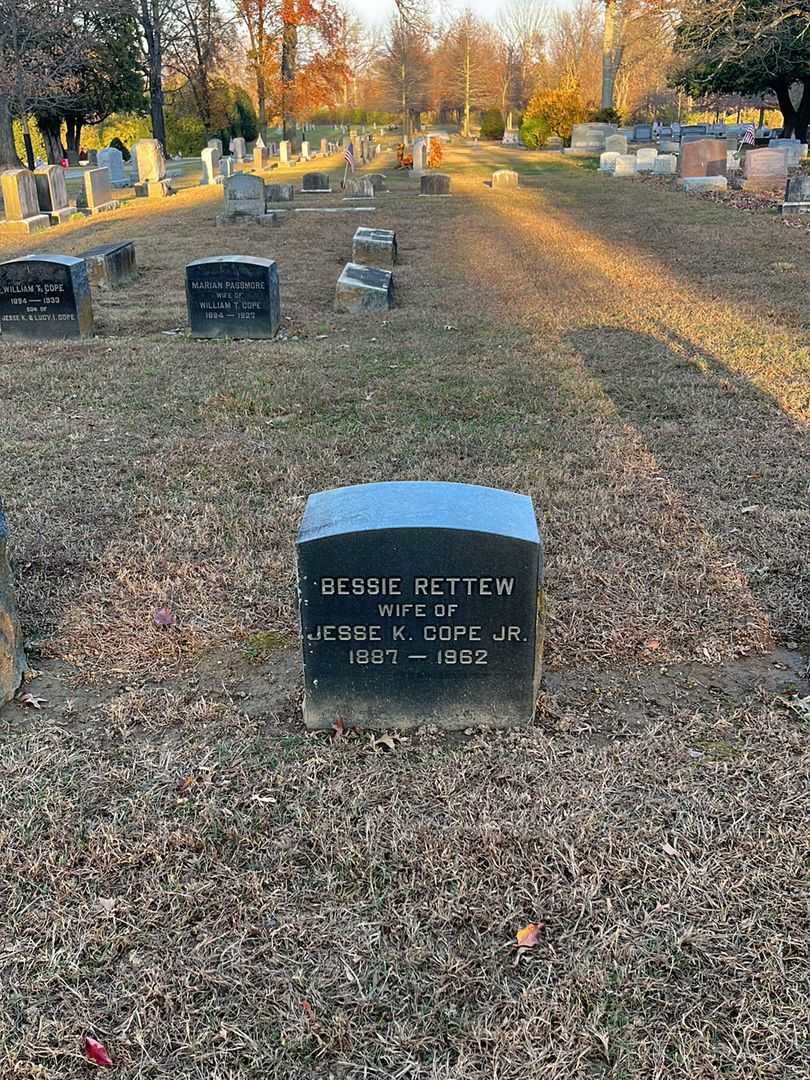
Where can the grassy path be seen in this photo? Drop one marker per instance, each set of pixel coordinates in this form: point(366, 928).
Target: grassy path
point(219, 895)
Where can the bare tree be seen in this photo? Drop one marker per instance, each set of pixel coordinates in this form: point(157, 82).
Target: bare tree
point(156, 23)
point(404, 71)
point(463, 64)
point(522, 27)
point(195, 49)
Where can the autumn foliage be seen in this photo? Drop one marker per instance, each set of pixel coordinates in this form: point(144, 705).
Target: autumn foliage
point(435, 154)
point(555, 112)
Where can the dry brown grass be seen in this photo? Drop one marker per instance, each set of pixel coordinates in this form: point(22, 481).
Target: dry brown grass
point(638, 362)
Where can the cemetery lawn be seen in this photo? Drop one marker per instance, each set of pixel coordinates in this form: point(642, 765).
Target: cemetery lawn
point(216, 894)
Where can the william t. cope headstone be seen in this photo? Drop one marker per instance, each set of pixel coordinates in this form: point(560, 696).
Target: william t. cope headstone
point(419, 605)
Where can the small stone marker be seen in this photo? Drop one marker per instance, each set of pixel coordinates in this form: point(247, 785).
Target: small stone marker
point(305, 151)
point(504, 178)
point(435, 184)
point(215, 144)
point(276, 193)
point(554, 143)
point(645, 159)
point(111, 158)
point(794, 149)
point(797, 196)
point(52, 193)
point(12, 658)
point(625, 165)
point(225, 167)
point(239, 147)
point(45, 297)
point(666, 165)
point(642, 132)
point(616, 144)
point(419, 154)
point(374, 247)
point(765, 170)
point(363, 289)
point(377, 180)
point(21, 203)
point(210, 165)
point(324, 147)
point(284, 151)
point(587, 139)
point(235, 296)
point(97, 192)
point(419, 605)
point(607, 161)
point(111, 264)
point(316, 183)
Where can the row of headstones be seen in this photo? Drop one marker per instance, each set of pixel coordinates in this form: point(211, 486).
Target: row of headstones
point(38, 200)
point(47, 297)
point(706, 164)
point(419, 602)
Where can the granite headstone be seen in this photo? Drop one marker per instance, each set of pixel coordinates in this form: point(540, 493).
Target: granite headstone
point(45, 297)
point(235, 296)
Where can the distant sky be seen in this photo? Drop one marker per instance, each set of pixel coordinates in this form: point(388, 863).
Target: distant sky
point(378, 11)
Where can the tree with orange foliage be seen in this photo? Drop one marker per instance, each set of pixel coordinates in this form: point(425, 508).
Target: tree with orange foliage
point(294, 53)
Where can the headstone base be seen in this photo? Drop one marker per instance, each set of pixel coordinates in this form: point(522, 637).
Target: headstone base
point(65, 213)
point(763, 183)
point(240, 218)
point(27, 225)
point(110, 264)
point(104, 208)
point(153, 189)
point(703, 183)
point(316, 191)
point(793, 209)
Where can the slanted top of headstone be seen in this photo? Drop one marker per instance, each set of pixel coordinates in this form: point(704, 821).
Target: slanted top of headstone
point(438, 584)
point(364, 288)
point(45, 297)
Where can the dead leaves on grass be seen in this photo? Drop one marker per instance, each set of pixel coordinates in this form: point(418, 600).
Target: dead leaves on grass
point(31, 700)
point(164, 617)
point(526, 939)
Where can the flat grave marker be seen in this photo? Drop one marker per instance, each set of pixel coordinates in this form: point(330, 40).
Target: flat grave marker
point(45, 297)
point(419, 605)
point(361, 289)
point(111, 264)
point(235, 296)
point(374, 247)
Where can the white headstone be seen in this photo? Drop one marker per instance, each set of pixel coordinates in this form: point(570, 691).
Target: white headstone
point(645, 159)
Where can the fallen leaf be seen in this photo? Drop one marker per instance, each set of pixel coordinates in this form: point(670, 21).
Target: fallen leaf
point(107, 904)
point(30, 699)
point(652, 644)
point(388, 741)
point(185, 784)
point(530, 935)
point(96, 1051)
point(668, 849)
point(339, 728)
point(164, 617)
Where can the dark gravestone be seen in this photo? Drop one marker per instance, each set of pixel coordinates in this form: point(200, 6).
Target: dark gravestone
point(45, 297)
point(797, 197)
point(275, 193)
point(12, 657)
point(315, 181)
point(111, 264)
point(363, 289)
point(233, 296)
point(435, 184)
point(419, 605)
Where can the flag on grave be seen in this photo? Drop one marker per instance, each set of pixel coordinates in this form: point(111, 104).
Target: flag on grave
point(750, 136)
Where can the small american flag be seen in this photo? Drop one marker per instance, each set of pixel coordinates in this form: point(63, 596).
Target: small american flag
point(750, 136)
point(348, 157)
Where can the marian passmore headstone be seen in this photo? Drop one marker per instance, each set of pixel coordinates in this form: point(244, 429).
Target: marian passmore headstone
point(374, 247)
point(12, 657)
point(233, 296)
point(362, 289)
point(419, 605)
point(45, 297)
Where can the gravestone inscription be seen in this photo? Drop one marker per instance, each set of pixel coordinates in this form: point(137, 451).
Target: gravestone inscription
point(419, 605)
point(45, 297)
point(233, 296)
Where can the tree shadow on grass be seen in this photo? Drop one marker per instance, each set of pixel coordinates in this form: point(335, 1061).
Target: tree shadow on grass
point(742, 465)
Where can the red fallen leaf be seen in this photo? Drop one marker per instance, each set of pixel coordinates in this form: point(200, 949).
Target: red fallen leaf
point(305, 1005)
point(652, 644)
point(164, 617)
point(530, 935)
point(339, 727)
point(96, 1051)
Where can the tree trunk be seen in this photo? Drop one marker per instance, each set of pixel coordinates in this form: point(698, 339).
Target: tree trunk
point(29, 145)
point(8, 152)
point(51, 130)
point(289, 60)
point(611, 52)
point(789, 117)
point(467, 87)
point(72, 136)
point(150, 25)
point(261, 99)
